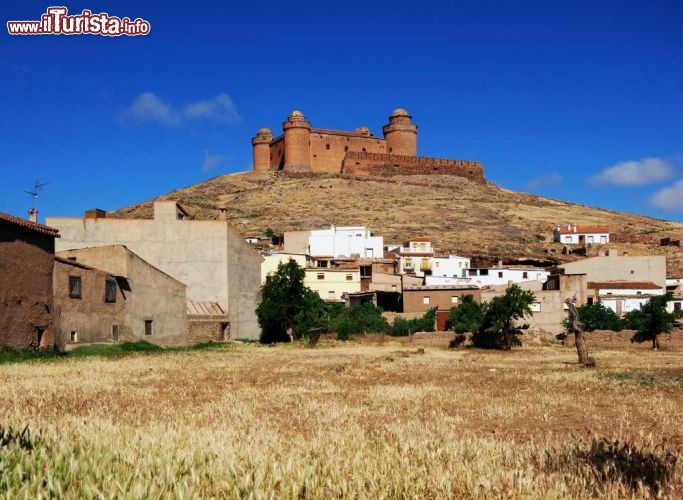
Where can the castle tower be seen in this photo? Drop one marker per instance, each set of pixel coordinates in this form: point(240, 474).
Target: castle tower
point(297, 141)
point(401, 134)
point(261, 145)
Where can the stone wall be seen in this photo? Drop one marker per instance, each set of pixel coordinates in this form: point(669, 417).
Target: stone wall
point(26, 306)
point(386, 165)
point(328, 148)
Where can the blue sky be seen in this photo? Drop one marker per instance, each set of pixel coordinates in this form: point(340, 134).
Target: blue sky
point(580, 101)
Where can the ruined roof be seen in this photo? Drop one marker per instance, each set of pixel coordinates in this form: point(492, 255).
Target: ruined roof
point(623, 285)
point(34, 226)
point(204, 308)
point(584, 230)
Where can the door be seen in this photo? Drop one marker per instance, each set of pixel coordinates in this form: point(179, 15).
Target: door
point(115, 333)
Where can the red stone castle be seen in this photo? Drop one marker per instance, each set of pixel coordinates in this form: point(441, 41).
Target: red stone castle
point(302, 148)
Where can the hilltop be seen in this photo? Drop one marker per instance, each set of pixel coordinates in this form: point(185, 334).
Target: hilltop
point(459, 215)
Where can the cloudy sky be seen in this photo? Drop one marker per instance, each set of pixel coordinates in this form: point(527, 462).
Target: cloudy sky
point(575, 100)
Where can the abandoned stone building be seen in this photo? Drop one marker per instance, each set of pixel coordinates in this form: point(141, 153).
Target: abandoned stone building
point(27, 255)
point(123, 298)
point(208, 256)
point(302, 148)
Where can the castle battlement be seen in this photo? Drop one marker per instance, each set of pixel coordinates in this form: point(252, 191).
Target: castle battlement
point(302, 148)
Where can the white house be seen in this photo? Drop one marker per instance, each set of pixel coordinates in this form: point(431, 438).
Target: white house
point(623, 296)
point(501, 275)
point(415, 256)
point(450, 266)
point(570, 234)
point(344, 241)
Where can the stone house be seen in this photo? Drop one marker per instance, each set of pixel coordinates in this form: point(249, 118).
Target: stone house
point(27, 253)
point(211, 258)
point(420, 299)
point(124, 298)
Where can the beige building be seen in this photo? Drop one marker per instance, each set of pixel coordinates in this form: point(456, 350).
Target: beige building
point(212, 259)
point(333, 284)
point(272, 260)
point(124, 298)
point(549, 310)
point(615, 267)
point(423, 298)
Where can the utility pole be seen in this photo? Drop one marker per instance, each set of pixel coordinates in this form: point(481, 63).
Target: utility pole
point(37, 188)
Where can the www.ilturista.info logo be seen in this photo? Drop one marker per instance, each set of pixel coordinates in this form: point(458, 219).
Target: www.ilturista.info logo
point(57, 21)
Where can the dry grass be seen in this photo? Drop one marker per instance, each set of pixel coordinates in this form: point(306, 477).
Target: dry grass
point(459, 215)
point(340, 420)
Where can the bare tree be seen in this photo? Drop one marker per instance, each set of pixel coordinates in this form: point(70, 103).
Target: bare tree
point(581, 349)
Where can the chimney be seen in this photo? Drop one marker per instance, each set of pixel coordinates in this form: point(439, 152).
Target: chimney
point(33, 215)
point(223, 211)
point(95, 213)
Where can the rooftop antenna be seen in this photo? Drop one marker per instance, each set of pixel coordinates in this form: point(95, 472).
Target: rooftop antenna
point(37, 189)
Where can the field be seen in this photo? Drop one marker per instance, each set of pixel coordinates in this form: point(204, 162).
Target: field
point(343, 420)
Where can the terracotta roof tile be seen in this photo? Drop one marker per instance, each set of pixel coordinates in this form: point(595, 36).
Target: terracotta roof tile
point(584, 230)
point(40, 228)
point(623, 285)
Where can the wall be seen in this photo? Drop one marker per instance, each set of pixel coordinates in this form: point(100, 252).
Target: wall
point(90, 316)
point(452, 266)
point(150, 294)
point(345, 241)
point(271, 262)
point(516, 275)
point(277, 153)
point(214, 261)
point(296, 241)
point(207, 330)
point(413, 299)
point(339, 143)
point(576, 238)
point(26, 264)
point(386, 165)
point(385, 282)
point(334, 281)
point(623, 268)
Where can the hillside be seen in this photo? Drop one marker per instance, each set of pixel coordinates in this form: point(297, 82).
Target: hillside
point(461, 216)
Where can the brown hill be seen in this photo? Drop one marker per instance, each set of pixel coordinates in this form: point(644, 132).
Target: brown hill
point(460, 216)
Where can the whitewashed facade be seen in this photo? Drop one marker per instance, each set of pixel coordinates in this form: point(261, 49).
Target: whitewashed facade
point(581, 235)
point(345, 241)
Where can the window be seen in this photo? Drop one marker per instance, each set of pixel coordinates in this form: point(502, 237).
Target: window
point(567, 239)
point(391, 149)
point(331, 295)
point(590, 301)
point(321, 276)
point(590, 240)
point(454, 299)
point(436, 264)
point(115, 333)
point(346, 148)
point(603, 239)
point(472, 272)
point(535, 307)
point(483, 272)
point(349, 277)
point(148, 327)
point(639, 292)
point(677, 306)
point(525, 275)
point(327, 146)
point(425, 300)
point(363, 150)
point(75, 287)
point(500, 274)
point(110, 290)
point(74, 336)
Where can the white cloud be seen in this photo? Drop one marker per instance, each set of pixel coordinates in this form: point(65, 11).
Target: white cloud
point(669, 198)
point(212, 161)
point(635, 173)
point(220, 109)
point(543, 181)
point(147, 107)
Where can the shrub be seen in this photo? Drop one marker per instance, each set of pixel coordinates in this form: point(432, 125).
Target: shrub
point(366, 318)
point(402, 327)
point(467, 317)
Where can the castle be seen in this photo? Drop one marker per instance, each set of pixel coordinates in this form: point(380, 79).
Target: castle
point(302, 148)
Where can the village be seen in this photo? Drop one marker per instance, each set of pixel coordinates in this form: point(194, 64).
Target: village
point(175, 281)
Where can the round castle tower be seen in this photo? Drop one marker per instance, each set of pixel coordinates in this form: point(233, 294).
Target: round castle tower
point(297, 141)
point(401, 134)
point(261, 145)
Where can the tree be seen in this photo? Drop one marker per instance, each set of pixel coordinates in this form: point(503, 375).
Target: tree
point(283, 298)
point(577, 327)
point(651, 320)
point(313, 317)
point(498, 328)
point(467, 317)
point(595, 317)
point(403, 327)
point(366, 318)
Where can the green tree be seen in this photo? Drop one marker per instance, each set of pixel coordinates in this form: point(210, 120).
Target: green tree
point(498, 328)
point(313, 315)
point(283, 298)
point(467, 317)
point(366, 318)
point(651, 320)
point(403, 327)
point(595, 317)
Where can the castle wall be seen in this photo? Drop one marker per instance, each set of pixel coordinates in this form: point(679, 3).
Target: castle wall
point(386, 165)
point(328, 148)
point(277, 153)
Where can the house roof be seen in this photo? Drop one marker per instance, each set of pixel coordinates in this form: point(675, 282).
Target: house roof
point(204, 308)
point(417, 254)
point(34, 226)
point(584, 230)
point(623, 285)
point(390, 255)
point(419, 238)
point(439, 287)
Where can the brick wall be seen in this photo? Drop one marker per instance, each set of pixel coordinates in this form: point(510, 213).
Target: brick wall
point(386, 165)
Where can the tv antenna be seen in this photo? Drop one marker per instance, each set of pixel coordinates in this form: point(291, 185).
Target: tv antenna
point(37, 189)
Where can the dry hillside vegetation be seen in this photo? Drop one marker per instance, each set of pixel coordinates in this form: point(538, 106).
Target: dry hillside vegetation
point(459, 215)
point(344, 421)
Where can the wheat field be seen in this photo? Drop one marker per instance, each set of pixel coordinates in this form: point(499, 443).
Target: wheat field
point(343, 420)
